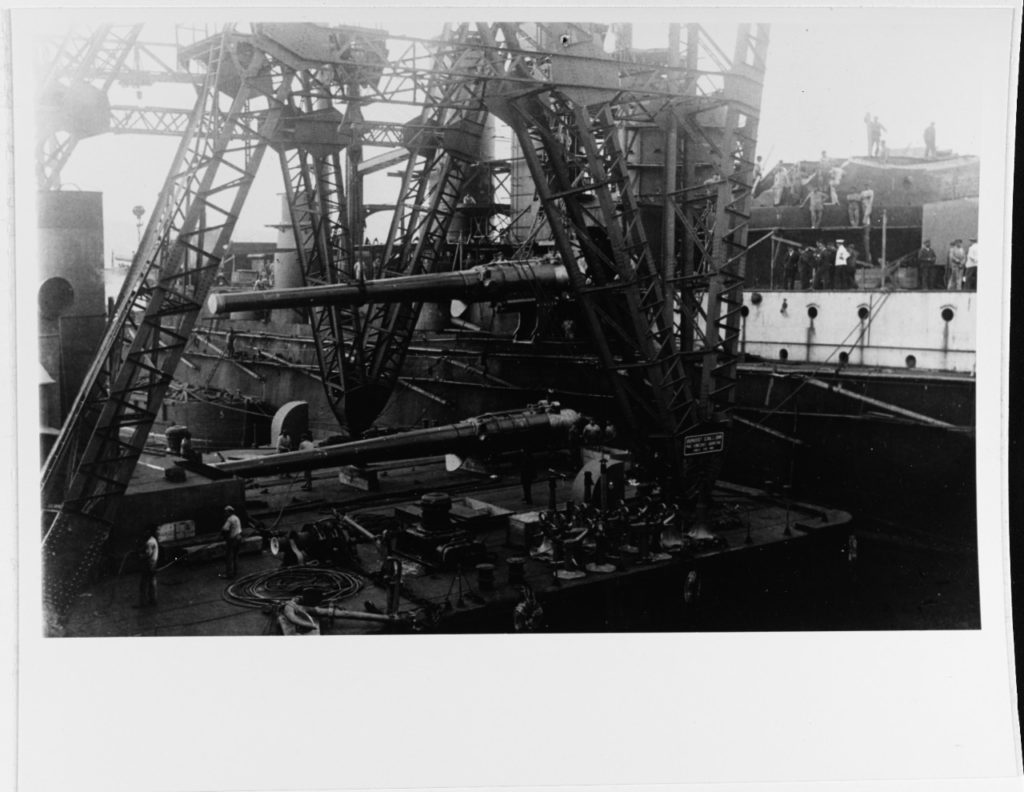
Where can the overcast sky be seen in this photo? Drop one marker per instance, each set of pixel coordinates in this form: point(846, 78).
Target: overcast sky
point(825, 69)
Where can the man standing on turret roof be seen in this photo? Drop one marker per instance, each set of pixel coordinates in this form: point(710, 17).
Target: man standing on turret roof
point(929, 141)
point(876, 137)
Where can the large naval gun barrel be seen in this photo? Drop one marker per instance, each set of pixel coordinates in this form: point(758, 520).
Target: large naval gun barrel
point(541, 426)
point(486, 282)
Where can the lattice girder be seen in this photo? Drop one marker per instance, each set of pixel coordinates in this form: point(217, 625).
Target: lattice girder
point(96, 453)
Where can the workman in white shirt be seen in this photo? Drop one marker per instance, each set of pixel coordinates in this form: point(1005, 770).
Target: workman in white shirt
point(840, 277)
point(232, 533)
point(971, 272)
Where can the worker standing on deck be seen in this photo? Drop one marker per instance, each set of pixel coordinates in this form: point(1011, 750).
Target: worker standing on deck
point(816, 199)
point(853, 208)
point(822, 266)
point(797, 184)
point(806, 267)
point(956, 258)
point(868, 126)
point(284, 445)
point(826, 269)
point(835, 176)
point(758, 174)
point(790, 268)
point(867, 200)
point(779, 184)
point(232, 533)
point(575, 441)
point(929, 141)
point(147, 577)
point(851, 268)
point(591, 433)
point(262, 284)
point(306, 444)
point(842, 266)
point(527, 471)
point(930, 275)
point(971, 267)
point(824, 166)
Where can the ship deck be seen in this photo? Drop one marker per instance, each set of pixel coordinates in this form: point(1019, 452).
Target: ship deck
point(758, 552)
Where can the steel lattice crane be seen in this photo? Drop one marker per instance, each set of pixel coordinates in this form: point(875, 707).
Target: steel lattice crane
point(71, 105)
point(444, 146)
point(256, 92)
point(242, 101)
point(571, 138)
point(282, 86)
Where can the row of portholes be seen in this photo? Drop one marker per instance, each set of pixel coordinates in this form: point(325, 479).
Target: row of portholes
point(862, 313)
point(844, 358)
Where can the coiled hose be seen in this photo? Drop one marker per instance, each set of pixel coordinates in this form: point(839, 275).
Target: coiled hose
point(280, 585)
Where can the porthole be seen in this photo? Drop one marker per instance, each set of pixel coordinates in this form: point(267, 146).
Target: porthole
point(783, 354)
point(911, 361)
point(863, 312)
point(756, 298)
point(812, 312)
point(745, 311)
point(947, 314)
point(844, 358)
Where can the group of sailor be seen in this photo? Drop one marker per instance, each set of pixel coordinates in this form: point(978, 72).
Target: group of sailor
point(959, 273)
point(821, 266)
point(832, 266)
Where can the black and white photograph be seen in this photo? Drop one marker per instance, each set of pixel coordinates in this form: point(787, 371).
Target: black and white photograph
point(581, 367)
